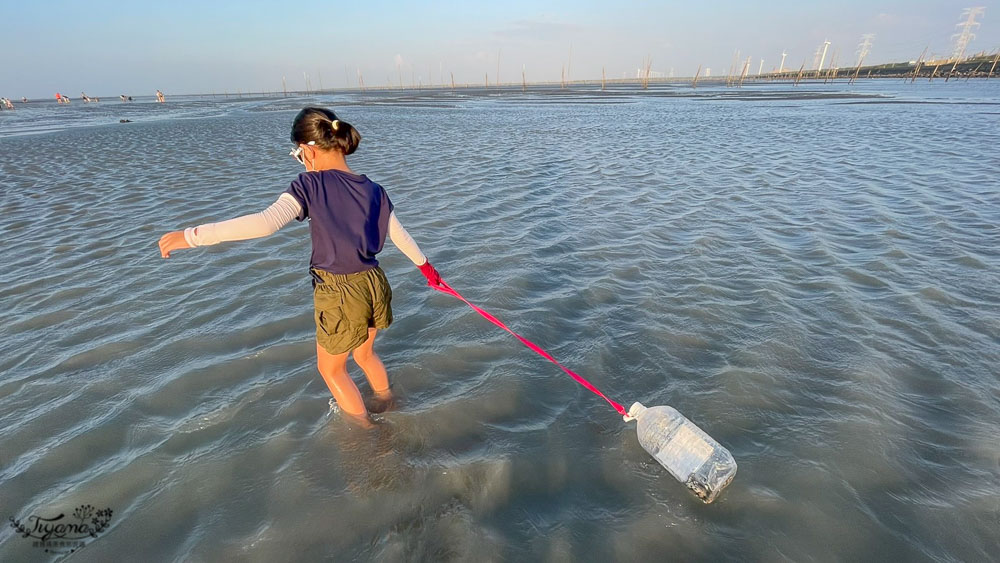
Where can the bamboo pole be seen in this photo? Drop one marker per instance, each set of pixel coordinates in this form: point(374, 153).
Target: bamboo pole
point(746, 69)
point(799, 77)
point(973, 73)
point(524, 81)
point(952, 71)
point(916, 69)
point(995, 59)
point(857, 71)
point(933, 73)
point(452, 80)
point(602, 79)
point(694, 83)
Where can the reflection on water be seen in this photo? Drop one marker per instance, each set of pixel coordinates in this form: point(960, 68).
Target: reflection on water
point(809, 274)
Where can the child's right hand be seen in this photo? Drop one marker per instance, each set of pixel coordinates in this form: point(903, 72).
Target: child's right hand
point(172, 241)
point(432, 275)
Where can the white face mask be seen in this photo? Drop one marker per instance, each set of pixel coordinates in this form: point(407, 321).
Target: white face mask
point(296, 153)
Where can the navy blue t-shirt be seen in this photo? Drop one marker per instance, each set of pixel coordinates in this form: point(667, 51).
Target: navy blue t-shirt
point(348, 219)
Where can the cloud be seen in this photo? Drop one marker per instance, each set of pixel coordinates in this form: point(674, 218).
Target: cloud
point(536, 30)
point(887, 19)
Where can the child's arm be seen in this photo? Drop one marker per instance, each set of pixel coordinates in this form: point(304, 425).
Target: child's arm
point(255, 225)
point(405, 243)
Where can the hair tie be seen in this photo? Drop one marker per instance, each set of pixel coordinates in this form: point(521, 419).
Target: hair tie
point(335, 124)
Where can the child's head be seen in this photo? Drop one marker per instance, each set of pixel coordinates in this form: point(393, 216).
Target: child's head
point(321, 126)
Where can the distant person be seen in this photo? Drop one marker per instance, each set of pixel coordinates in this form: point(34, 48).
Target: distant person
point(130, 98)
point(122, 97)
point(350, 217)
point(159, 97)
point(8, 103)
point(83, 95)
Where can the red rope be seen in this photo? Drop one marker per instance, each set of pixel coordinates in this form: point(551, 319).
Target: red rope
point(445, 288)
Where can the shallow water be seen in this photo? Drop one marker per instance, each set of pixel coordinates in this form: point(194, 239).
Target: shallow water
point(810, 274)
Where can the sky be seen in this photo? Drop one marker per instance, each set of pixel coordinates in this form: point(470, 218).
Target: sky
point(186, 47)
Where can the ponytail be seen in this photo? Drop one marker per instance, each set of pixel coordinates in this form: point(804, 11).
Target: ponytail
point(322, 127)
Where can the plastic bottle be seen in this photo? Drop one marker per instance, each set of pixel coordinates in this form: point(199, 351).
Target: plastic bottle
point(687, 452)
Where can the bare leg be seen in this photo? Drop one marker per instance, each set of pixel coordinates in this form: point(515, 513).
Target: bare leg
point(370, 363)
point(374, 370)
point(333, 368)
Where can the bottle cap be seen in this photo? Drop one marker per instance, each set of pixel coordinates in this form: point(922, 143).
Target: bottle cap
point(635, 410)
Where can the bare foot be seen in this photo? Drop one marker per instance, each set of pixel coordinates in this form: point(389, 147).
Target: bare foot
point(382, 401)
point(361, 420)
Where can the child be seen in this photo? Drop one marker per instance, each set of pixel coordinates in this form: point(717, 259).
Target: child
point(349, 219)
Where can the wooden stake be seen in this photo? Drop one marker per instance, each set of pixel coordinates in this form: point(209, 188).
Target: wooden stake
point(995, 59)
point(973, 73)
point(799, 77)
point(746, 69)
point(694, 83)
point(936, 67)
point(857, 71)
point(916, 69)
point(602, 79)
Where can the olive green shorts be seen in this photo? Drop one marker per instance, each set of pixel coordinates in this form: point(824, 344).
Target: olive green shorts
point(347, 305)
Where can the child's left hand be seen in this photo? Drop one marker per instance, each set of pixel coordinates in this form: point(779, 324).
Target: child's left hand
point(172, 241)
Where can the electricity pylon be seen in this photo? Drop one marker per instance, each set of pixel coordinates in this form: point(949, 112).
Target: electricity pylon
point(865, 47)
point(966, 35)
